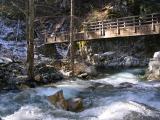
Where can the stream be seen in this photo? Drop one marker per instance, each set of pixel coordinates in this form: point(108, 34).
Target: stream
point(120, 95)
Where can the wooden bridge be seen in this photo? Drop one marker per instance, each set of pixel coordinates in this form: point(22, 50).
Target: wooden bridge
point(120, 27)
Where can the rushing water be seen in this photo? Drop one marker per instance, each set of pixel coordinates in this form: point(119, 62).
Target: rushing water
point(119, 96)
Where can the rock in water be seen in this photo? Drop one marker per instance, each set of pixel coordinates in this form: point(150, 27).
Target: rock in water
point(157, 55)
point(153, 72)
point(91, 70)
point(75, 105)
point(58, 100)
point(126, 85)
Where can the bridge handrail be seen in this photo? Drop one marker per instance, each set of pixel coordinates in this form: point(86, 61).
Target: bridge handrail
point(120, 22)
point(135, 21)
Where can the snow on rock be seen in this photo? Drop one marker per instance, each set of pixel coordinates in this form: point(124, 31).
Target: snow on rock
point(11, 49)
point(5, 60)
point(153, 72)
point(156, 55)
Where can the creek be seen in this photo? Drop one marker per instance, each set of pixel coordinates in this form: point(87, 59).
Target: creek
point(119, 95)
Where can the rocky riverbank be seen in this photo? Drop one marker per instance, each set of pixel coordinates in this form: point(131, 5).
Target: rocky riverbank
point(119, 52)
point(13, 74)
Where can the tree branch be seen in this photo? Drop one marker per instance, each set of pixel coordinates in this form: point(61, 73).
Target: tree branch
point(20, 9)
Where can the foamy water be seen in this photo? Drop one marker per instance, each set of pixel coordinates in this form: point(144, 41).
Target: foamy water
point(119, 78)
point(137, 102)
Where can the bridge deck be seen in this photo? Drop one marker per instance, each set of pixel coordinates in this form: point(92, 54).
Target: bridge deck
point(121, 27)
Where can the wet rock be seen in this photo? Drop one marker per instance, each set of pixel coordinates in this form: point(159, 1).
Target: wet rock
point(83, 75)
point(100, 86)
point(52, 77)
point(83, 70)
point(125, 85)
point(23, 86)
point(97, 58)
point(131, 61)
point(79, 68)
point(47, 74)
point(58, 100)
point(21, 78)
point(153, 72)
point(75, 105)
point(22, 97)
point(45, 68)
point(38, 78)
point(91, 70)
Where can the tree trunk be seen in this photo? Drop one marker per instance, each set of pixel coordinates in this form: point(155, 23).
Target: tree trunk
point(72, 37)
point(27, 27)
point(30, 51)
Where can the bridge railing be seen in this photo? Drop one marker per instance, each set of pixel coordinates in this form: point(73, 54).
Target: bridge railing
point(122, 22)
point(112, 24)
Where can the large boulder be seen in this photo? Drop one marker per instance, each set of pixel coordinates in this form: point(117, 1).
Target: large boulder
point(153, 72)
point(157, 55)
point(58, 100)
point(98, 58)
point(74, 104)
point(11, 74)
point(83, 70)
point(130, 61)
point(47, 74)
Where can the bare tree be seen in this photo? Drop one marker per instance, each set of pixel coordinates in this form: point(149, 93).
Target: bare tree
point(28, 11)
point(72, 37)
point(30, 25)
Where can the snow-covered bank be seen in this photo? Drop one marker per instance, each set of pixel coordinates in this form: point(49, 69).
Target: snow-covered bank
point(14, 49)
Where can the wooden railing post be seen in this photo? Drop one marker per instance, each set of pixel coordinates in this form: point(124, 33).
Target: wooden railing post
point(134, 24)
point(100, 28)
point(124, 24)
point(153, 27)
point(118, 30)
point(85, 29)
point(103, 32)
point(139, 22)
